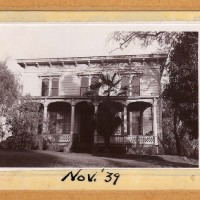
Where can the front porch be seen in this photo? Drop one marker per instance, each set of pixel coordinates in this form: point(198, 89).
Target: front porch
point(73, 128)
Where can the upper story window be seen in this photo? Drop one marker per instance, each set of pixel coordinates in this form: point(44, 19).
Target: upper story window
point(86, 81)
point(84, 85)
point(50, 86)
point(125, 81)
point(132, 84)
point(135, 86)
point(45, 87)
point(94, 80)
point(54, 86)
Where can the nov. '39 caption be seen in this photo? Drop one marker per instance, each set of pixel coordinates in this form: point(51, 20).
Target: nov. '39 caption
point(109, 177)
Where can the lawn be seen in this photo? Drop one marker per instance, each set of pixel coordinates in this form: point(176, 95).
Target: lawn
point(11, 158)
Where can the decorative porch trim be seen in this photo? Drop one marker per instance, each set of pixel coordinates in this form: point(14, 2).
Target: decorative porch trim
point(130, 139)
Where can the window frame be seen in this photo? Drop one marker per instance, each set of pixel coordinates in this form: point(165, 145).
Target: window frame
point(84, 87)
point(49, 78)
point(132, 86)
point(51, 92)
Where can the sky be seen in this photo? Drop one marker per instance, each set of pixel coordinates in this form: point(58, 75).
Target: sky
point(61, 40)
point(46, 40)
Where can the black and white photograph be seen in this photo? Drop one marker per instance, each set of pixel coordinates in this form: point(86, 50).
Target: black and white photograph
point(99, 95)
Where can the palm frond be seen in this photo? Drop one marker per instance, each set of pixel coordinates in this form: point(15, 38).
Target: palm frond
point(95, 86)
point(90, 93)
point(113, 77)
point(116, 82)
point(123, 93)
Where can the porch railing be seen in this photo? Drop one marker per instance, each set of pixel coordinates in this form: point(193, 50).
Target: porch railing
point(116, 139)
point(65, 138)
point(129, 139)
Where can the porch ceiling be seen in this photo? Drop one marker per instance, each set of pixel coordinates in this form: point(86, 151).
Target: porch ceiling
point(138, 106)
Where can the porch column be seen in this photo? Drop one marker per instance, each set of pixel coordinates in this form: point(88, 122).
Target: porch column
point(72, 139)
point(44, 129)
point(141, 122)
point(50, 84)
point(89, 82)
point(72, 119)
point(95, 131)
point(155, 128)
point(120, 128)
point(120, 83)
point(131, 121)
point(125, 121)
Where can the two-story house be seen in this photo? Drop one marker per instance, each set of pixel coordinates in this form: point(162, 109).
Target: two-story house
point(59, 84)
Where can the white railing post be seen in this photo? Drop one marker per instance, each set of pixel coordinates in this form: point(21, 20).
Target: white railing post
point(130, 123)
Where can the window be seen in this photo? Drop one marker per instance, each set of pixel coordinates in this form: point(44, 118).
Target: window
point(45, 87)
point(135, 86)
point(134, 89)
point(86, 82)
point(54, 86)
point(50, 86)
point(95, 80)
point(125, 83)
point(84, 85)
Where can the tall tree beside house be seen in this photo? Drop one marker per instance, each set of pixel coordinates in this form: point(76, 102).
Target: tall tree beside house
point(9, 88)
point(181, 92)
point(24, 121)
point(9, 92)
point(188, 146)
point(107, 119)
point(20, 115)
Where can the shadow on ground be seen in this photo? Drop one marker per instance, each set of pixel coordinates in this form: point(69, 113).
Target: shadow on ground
point(155, 160)
point(49, 159)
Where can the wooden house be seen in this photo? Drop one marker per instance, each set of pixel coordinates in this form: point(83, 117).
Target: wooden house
point(59, 84)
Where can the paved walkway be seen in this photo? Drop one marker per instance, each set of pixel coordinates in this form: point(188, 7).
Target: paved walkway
point(12, 158)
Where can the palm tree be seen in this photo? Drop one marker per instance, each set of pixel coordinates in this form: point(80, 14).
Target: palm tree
point(107, 119)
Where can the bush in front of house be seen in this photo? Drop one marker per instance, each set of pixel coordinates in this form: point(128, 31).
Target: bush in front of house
point(23, 120)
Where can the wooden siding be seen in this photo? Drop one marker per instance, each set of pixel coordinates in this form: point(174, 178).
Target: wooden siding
point(69, 83)
point(150, 82)
point(32, 85)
